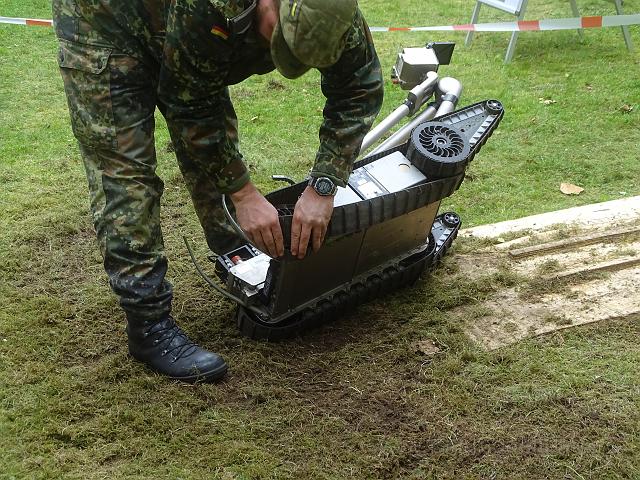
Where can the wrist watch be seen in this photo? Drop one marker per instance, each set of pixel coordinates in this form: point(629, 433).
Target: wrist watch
point(323, 186)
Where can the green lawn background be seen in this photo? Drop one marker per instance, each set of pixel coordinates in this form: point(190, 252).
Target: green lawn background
point(353, 400)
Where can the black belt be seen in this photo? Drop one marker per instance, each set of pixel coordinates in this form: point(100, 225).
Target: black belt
point(239, 24)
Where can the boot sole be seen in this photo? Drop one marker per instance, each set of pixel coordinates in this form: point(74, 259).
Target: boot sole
point(202, 377)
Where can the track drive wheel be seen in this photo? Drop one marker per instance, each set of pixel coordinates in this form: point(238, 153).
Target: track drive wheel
point(438, 150)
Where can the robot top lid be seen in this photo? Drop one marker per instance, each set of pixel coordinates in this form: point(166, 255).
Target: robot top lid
point(443, 50)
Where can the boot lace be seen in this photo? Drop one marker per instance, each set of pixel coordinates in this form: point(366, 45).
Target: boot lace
point(176, 341)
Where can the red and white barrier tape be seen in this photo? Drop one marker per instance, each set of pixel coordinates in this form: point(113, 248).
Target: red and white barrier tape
point(27, 21)
point(528, 25)
point(521, 26)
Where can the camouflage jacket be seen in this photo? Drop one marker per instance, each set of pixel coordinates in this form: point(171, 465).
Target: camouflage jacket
point(197, 56)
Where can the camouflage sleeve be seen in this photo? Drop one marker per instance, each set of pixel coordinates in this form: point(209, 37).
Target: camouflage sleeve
point(192, 90)
point(354, 89)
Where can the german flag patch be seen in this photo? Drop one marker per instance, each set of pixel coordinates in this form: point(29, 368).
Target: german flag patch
point(220, 32)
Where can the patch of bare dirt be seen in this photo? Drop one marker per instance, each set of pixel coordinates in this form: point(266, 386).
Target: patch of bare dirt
point(566, 280)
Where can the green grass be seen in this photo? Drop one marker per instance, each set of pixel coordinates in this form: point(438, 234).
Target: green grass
point(354, 399)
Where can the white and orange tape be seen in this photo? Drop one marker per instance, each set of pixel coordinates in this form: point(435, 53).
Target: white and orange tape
point(27, 21)
point(527, 25)
point(521, 26)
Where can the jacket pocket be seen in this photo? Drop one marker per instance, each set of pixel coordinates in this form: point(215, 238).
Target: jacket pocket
point(87, 82)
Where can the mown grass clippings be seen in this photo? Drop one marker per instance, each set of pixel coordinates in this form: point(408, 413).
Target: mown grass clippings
point(566, 231)
point(470, 244)
point(547, 267)
point(537, 285)
point(479, 311)
point(454, 288)
point(556, 319)
point(623, 252)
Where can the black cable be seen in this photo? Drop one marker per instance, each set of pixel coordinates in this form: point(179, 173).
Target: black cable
point(234, 224)
point(217, 287)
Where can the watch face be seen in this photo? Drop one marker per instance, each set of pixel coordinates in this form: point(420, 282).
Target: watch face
point(324, 186)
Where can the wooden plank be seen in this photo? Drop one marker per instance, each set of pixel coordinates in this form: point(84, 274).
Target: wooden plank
point(567, 243)
point(510, 317)
point(581, 296)
point(606, 213)
point(611, 266)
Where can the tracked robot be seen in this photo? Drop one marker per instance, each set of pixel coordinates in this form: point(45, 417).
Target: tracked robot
point(386, 228)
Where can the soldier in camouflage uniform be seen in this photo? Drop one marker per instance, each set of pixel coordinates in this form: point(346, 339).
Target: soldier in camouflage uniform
point(120, 59)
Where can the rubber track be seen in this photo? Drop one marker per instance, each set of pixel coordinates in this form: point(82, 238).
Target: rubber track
point(405, 273)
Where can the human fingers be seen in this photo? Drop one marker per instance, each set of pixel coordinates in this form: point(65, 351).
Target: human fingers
point(276, 231)
point(269, 242)
point(305, 233)
point(257, 241)
point(295, 235)
point(316, 237)
point(324, 234)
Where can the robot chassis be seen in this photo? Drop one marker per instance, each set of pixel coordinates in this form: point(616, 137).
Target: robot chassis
point(385, 229)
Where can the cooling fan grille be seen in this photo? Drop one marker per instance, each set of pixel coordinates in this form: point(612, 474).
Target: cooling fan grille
point(441, 141)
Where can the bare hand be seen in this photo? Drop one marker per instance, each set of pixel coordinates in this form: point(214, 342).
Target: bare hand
point(310, 220)
point(259, 220)
point(267, 18)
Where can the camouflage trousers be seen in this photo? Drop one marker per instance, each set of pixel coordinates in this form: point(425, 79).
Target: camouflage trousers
point(112, 100)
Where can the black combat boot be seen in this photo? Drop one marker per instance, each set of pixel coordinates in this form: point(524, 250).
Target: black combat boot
point(165, 348)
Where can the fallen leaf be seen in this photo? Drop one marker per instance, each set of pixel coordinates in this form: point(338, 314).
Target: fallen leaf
point(253, 119)
point(588, 86)
point(426, 347)
point(546, 101)
point(570, 189)
point(626, 108)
